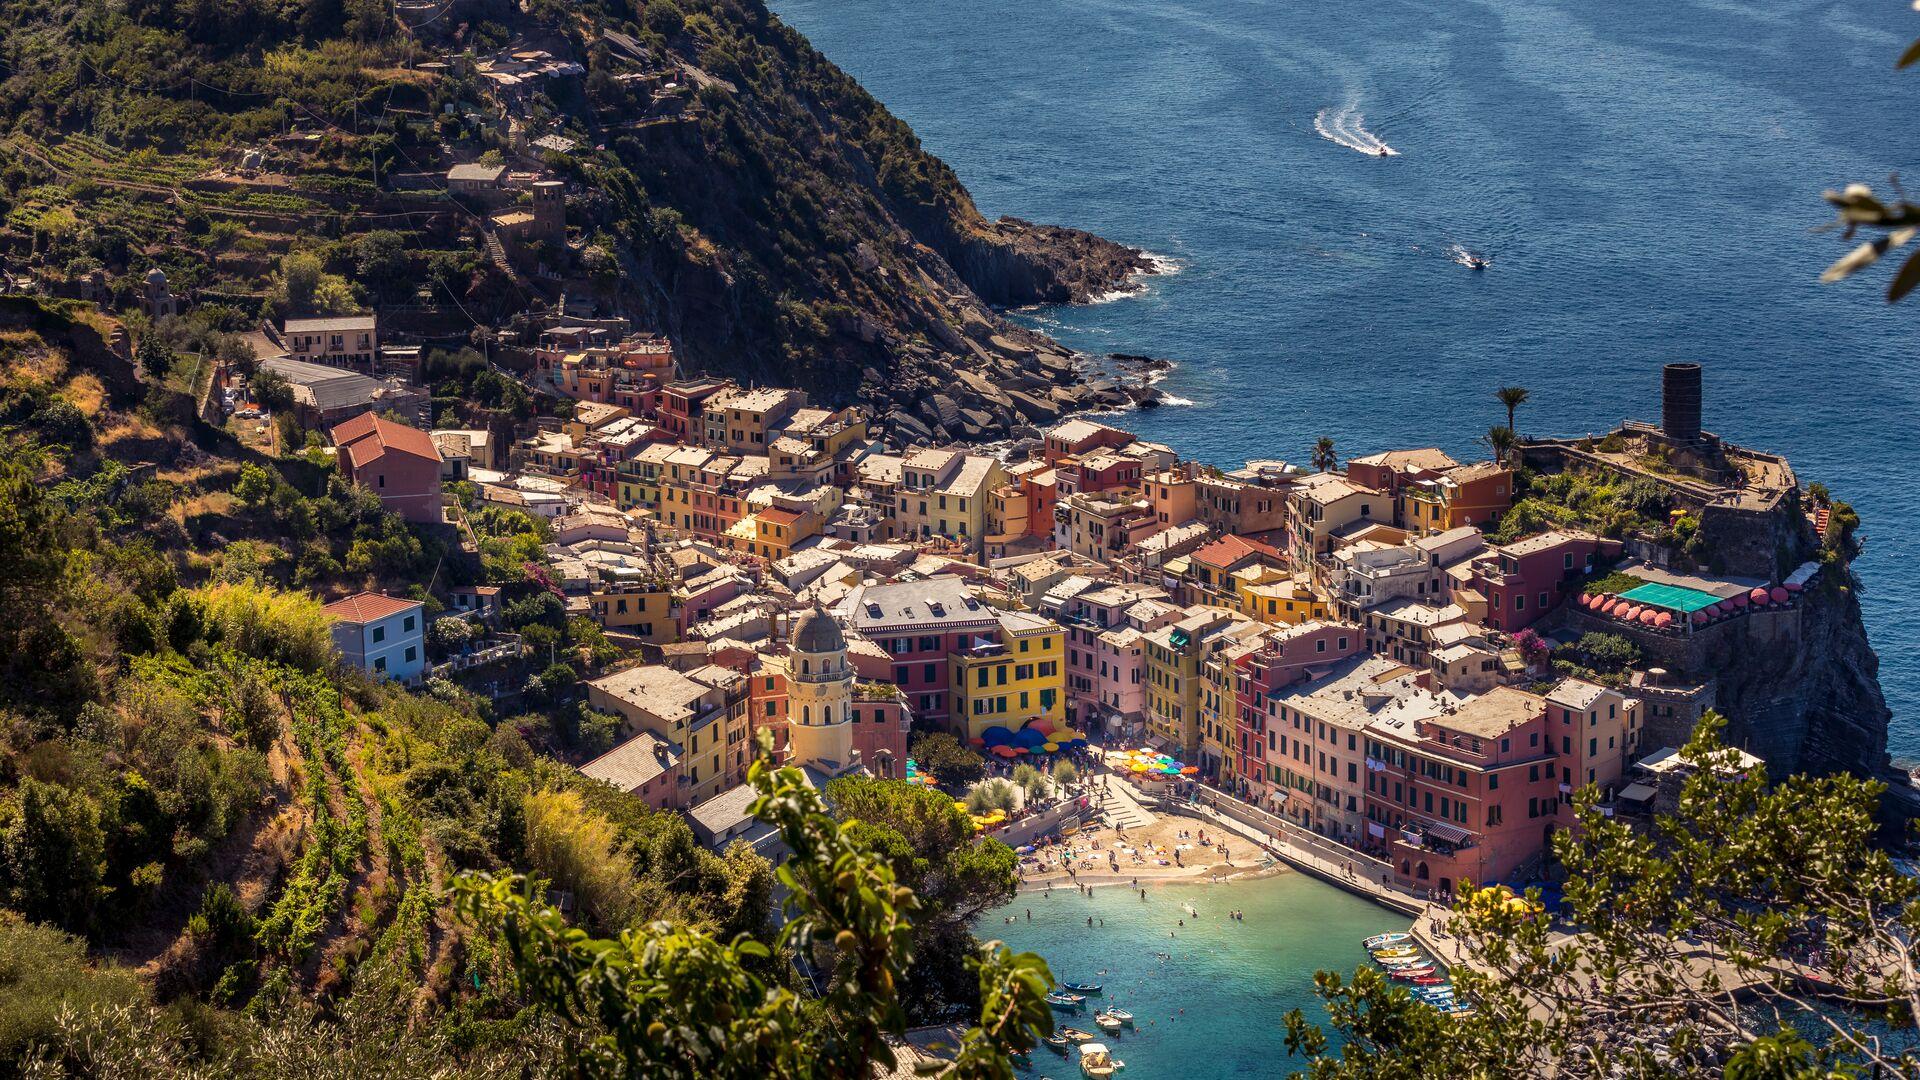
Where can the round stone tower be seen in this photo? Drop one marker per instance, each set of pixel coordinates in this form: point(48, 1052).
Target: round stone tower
point(820, 692)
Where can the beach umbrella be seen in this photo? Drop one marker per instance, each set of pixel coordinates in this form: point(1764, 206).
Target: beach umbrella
point(1700, 618)
point(1793, 586)
point(977, 741)
point(996, 735)
point(1780, 595)
point(1664, 619)
point(1050, 747)
point(1649, 616)
point(1021, 750)
point(1739, 600)
point(1758, 595)
point(1189, 770)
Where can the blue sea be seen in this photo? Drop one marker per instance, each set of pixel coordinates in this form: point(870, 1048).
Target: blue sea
point(1208, 994)
point(1643, 175)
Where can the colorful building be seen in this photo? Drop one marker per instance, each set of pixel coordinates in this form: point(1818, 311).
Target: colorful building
point(1470, 795)
point(1013, 680)
point(920, 624)
point(398, 463)
point(1528, 578)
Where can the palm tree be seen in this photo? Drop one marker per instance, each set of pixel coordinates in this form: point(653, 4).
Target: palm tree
point(1501, 441)
point(1324, 458)
point(1512, 397)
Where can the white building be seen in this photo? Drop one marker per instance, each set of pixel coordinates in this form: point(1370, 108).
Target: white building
point(381, 635)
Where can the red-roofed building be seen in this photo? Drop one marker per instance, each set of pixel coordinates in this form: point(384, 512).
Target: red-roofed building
point(381, 635)
point(396, 462)
point(1210, 569)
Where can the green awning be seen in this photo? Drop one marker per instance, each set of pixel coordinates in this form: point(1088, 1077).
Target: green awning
point(1671, 597)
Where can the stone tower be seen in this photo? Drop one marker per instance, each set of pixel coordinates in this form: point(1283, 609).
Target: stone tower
point(550, 211)
point(820, 693)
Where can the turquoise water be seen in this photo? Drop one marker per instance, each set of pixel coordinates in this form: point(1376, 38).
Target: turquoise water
point(1644, 175)
point(1219, 997)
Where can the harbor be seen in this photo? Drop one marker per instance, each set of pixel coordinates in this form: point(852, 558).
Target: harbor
point(1179, 962)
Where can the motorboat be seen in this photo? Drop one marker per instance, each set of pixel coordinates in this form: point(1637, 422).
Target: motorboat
point(1107, 1021)
point(1121, 1015)
point(1096, 1061)
point(1057, 1043)
point(1384, 941)
point(1075, 1034)
point(1082, 988)
point(1065, 1001)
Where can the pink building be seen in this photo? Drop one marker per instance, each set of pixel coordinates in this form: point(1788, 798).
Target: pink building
point(1288, 656)
point(1467, 796)
point(1528, 578)
point(396, 462)
point(1106, 662)
point(919, 624)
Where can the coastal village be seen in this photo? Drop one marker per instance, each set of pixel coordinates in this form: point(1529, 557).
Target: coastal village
point(1339, 654)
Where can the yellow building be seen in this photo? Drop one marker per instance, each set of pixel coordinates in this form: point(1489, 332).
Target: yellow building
point(1219, 713)
point(642, 610)
point(702, 714)
point(946, 493)
point(639, 479)
point(1020, 678)
point(1287, 601)
point(1176, 677)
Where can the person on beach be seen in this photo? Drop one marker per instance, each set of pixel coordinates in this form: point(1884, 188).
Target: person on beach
point(1029, 914)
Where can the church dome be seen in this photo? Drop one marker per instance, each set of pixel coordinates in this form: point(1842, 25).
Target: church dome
point(156, 276)
point(814, 631)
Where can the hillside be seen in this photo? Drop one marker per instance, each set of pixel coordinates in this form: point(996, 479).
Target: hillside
point(222, 834)
point(726, 185)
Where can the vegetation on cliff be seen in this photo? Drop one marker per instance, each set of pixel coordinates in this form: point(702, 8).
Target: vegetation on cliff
point(731, 187)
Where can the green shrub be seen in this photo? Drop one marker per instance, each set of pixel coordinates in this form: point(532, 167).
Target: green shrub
point(43, 971)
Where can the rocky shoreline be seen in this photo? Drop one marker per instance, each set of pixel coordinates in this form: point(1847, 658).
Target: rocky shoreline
point(988, 379)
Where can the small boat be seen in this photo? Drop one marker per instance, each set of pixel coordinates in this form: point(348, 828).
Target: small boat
point(1410, 974)
point(1082, 988)
point(1429, 980)
point(1107, 1021)
point(1065, 1001)
point(1096, 1061)
point(1388, 954)
point(1075, 1034)
point(1057, 1043)
point(1382, 941)
point(1121, 1015)
point(1392, 963)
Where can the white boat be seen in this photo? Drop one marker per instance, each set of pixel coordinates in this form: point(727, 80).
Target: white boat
point(1107, 1021)
point(1382, 941)
point(1096, 1061)
point(1121, 1015)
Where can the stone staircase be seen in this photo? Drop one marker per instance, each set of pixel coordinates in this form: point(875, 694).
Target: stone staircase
point(1118, 809)
point(497, 252)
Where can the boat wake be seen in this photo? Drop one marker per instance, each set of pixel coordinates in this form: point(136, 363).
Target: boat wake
point(1469, 259)
point(1345, 126)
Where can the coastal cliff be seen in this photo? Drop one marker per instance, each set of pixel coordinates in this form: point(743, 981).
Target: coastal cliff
point(726, 185)
point(1808, 703)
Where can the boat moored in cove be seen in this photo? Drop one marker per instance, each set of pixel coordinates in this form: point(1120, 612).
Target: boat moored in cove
point(1096, 1061)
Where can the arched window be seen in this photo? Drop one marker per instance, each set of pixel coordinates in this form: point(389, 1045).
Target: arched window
point(806, 667)
point(806, 714)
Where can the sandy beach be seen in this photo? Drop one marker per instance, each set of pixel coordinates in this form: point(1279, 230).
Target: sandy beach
point(1168, 849)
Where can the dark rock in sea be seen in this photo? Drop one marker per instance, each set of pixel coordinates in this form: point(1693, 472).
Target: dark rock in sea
point(1150, 363)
